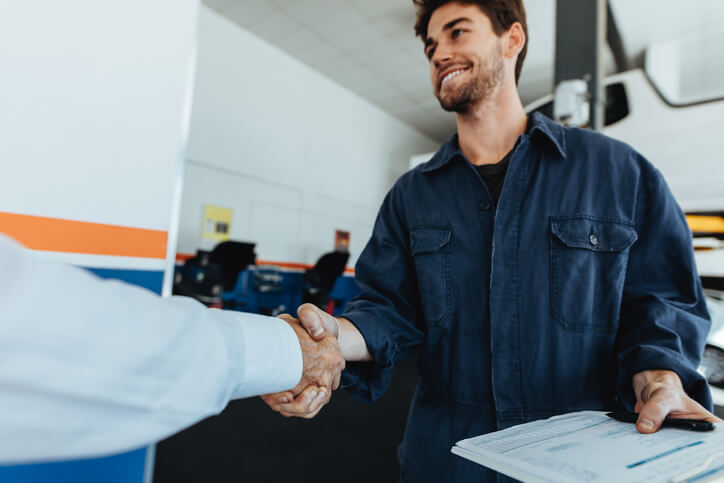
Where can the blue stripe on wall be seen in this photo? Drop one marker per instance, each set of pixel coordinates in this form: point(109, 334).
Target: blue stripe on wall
point(123, 468)
point(150, 279)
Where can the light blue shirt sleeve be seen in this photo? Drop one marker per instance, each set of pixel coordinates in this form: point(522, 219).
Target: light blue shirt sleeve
point(90, 367)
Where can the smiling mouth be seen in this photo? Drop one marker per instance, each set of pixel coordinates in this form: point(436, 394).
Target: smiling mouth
point(451, 75)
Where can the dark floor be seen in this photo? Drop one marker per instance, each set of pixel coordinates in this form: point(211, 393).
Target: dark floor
point(348, 441)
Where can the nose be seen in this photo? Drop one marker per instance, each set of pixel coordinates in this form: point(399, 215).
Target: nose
point(441, 56)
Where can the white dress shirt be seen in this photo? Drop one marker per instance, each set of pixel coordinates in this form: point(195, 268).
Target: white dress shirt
point(90, 367)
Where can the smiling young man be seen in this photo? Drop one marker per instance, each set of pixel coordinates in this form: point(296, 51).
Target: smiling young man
point(541, 269)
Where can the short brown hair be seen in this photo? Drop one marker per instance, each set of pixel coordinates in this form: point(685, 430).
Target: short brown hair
point(502, 14)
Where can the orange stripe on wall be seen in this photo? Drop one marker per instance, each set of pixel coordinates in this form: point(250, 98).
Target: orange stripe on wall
point(182, 257)
point(294, 265)
point(57, 235)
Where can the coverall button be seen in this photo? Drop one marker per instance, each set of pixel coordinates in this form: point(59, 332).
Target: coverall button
point(484, 205)
point(593, 239)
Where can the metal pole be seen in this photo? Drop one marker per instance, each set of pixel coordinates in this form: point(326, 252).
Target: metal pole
point(580, 42)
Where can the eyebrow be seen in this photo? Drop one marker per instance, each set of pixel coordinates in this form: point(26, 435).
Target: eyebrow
point(445, 28)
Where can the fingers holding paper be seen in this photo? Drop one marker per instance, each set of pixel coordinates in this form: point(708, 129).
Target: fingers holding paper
point(660, 394)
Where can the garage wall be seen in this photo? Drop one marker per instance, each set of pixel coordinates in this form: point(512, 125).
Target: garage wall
point(94, 108)
point(295, 155)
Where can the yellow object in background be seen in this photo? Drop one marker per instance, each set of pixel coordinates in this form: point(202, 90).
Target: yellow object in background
point(216, 225)
point(705, 224)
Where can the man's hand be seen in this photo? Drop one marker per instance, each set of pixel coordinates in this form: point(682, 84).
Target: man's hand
point(322, 369)
point(660, 394)
point(323, 328)
point(317, 322)
point(320, 324)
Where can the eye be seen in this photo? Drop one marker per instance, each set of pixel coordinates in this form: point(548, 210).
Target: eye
point(429, 53)
point(456, 33)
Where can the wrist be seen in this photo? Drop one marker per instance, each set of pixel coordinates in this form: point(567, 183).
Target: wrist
point(339, 324)
point(351, 342)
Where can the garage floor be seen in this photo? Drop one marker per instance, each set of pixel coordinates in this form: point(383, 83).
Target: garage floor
point(349, 441)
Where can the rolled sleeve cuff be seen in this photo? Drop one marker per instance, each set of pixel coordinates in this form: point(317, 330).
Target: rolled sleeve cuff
point(367, 381)
point(650, 358)
point(264, 354)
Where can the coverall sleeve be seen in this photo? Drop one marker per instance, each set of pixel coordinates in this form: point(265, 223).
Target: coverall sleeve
point(386, 311)
point(664, 320)
point(92, 367)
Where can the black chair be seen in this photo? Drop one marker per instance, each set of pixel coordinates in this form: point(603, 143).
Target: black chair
point(201, 279)
point(233, 257)
point(207, 275)
point(319, 281)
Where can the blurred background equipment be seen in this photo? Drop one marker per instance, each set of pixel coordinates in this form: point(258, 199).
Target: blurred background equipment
point(571, 106)
point(208, 275)
point(200, 278)
point(712, 366)
point(341, 241)
point(319, 280)
point(233, 257)
point(229, 277)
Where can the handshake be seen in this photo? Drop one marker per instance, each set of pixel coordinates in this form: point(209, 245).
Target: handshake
point(318, 334)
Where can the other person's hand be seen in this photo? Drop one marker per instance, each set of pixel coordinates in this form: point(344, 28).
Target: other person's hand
point(306, 404)
point(322, 369)
point(660, 394)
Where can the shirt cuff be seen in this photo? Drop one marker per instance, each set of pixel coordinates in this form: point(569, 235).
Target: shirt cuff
point(647, 358)
point(264, 355)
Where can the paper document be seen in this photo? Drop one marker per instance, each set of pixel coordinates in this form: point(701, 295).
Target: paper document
point(590, 446)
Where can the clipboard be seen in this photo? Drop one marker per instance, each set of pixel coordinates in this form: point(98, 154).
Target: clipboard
point(589, 446)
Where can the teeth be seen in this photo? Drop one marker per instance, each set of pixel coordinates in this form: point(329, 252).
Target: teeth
point(451, 75)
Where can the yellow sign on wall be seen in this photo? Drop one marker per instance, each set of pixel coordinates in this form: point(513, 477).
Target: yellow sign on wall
point(216, 225)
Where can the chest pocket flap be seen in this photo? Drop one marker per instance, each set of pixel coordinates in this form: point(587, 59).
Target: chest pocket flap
point(426, 240)
point(593, 233)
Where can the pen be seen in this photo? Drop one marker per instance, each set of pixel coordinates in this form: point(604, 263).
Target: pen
point(690, 424)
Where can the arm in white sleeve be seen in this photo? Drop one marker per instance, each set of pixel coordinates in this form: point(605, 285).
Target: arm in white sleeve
point(91, 367)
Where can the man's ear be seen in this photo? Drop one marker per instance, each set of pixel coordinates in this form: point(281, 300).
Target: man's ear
point(515, 40)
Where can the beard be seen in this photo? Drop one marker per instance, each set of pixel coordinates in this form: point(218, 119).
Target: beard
point(483, 82)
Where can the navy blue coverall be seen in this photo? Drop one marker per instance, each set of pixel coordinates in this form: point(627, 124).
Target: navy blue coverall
point(583, 276)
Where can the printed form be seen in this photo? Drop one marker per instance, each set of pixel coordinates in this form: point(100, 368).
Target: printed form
point(589, 446)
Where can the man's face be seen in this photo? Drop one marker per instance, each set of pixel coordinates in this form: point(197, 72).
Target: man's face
point(466, 56)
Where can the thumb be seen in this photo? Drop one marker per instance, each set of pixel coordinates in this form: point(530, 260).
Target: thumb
point(651, 416)
point(311, 319)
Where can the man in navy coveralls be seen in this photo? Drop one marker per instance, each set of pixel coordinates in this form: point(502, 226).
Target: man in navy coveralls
point(541, 269)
